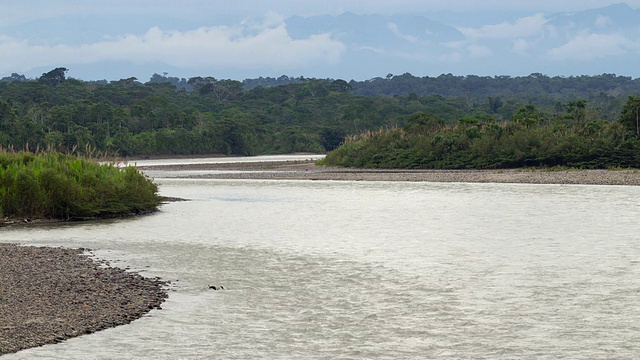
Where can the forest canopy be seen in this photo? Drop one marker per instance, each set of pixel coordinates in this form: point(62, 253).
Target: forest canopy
point(205, 115)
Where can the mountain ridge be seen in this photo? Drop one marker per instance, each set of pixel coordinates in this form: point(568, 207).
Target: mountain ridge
point(356, 46)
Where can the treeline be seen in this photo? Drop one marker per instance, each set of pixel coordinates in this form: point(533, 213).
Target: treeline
point(531, 139)
point(126, 117)
point(204, 115)
point(534, 85)
point(59, 186)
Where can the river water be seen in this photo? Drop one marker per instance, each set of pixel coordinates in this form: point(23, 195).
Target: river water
point(371, 270)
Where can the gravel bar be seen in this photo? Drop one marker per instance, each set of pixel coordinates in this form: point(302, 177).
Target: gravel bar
point(49, 294)
point(308, 170)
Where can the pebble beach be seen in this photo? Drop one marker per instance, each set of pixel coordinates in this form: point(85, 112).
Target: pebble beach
point(50, 294)
point(308, 170)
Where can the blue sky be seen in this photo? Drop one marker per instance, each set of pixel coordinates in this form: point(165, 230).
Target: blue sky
point(241, 39)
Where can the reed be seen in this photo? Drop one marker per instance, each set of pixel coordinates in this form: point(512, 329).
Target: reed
point(52, 185)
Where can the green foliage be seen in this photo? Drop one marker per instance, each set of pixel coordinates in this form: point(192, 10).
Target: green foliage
point(54, 77)
point(58, 186)
point(206, 115)
point(218, 116)
point(476, 145)
point(631, 115)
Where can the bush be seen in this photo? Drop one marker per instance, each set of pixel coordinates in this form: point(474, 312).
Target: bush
point(59, 186)
point(471, 145)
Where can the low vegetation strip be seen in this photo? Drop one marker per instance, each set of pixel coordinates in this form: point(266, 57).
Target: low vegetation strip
point(50, 294)
point(425, 142)
point(60, 186)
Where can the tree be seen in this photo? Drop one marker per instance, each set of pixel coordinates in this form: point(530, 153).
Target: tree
point(204, 85)
point(54, 77)
point(126, 83)
point(225, 89)
point(341, 86)
point(494, 104)
point(7, 115)
point(631, 115)
point(422, 123)
point(14, 77)
point(577, 110)
point(331, 138)
point(529, 116)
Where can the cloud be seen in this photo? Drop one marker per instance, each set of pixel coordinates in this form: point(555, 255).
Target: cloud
point(521, 46)
point(479, 51)
point(247, 45)
point(603, 21)
point(592, 46)
point(460, 51)
point(396, 31)
point(523, 27)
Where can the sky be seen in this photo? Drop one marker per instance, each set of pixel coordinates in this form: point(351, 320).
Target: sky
point(250, 38)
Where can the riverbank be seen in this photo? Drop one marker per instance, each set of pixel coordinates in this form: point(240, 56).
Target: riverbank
point(51, 294)
point(308, 170)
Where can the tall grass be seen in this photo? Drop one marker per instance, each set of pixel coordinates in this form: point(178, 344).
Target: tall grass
point(53, 185)
point(588, 145)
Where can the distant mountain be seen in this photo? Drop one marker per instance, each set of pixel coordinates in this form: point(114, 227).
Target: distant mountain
point(375, 31)
point(347, 46)
point(613, 17)
point(594, 41)
point(379, 44)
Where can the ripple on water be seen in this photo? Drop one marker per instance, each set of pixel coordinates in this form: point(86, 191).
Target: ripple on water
point(423, 271)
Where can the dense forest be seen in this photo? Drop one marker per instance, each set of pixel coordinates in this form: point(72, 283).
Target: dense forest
point(205, 115)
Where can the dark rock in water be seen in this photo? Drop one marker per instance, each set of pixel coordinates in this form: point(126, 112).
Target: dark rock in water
point(216, 287)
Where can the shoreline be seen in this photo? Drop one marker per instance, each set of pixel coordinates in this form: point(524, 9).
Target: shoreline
point(195, 156)
point(308, 170)
point(50, 294)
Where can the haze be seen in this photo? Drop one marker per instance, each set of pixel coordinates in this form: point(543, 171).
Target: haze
point(332, 39)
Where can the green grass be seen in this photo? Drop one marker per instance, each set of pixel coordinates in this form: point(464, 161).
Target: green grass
point(58, 186)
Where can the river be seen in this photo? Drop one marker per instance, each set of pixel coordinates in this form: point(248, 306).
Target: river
point(371, 270)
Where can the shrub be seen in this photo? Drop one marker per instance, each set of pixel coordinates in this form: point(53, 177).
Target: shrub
point(59, 186)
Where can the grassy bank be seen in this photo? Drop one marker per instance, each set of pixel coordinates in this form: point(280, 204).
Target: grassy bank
point(58, 186)
point(426, 143)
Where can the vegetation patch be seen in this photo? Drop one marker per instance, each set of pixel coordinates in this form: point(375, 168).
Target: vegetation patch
point(54, 185)
point(531, 139)
point(203, 115)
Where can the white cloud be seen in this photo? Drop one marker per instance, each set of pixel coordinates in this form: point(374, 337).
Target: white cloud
point(602, 21)
point(456, 45)
point(247, 45)
point(521, 46)
point(463, 50)
point(479, 51)
point(523, 27)
point(593, 46)
point(377, 50)
point(396, 31)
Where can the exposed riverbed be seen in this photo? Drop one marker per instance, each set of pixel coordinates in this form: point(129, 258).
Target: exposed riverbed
point(49, 294)
point(369, 269)
point(303, 167)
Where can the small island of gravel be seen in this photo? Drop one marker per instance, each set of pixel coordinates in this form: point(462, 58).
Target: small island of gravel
point(309, 170)
point(50, 294)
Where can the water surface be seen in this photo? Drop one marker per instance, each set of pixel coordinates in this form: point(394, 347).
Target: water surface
point(372, 270)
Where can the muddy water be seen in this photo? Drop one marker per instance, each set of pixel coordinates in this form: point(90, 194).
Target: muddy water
point(362, 270)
